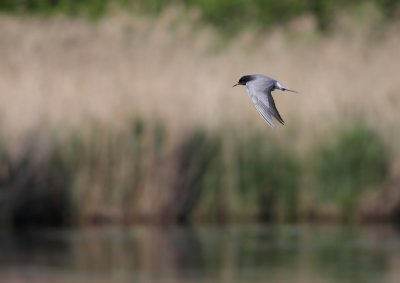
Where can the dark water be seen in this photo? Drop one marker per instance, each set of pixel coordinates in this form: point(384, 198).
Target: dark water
point(203, 254)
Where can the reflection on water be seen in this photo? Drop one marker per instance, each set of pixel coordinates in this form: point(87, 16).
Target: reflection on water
point(203, 254)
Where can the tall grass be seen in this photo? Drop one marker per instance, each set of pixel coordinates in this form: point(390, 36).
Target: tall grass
point(350, 164)
point(268, 178)
point(132, 176)
point(35, 190)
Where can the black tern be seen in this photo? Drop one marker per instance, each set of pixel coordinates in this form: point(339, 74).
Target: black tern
point(259, 88)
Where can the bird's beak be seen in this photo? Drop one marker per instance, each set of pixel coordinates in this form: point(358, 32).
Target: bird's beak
point(235, 85)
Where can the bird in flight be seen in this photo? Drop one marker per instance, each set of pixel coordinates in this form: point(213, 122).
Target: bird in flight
point(259, 88)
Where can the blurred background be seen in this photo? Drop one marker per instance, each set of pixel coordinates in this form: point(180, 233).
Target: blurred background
point(126, 155)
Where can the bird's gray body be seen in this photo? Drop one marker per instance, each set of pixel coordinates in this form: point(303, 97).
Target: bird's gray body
point(259, 88)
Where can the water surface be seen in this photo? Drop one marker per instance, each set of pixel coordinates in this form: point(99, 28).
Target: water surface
point(248, 253)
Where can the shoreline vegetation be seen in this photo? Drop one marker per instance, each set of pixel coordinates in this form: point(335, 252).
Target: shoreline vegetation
point(226, 15)
point(133, 119)
point(208, 177)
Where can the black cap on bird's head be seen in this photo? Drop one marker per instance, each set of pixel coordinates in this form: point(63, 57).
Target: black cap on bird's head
point(243, 80)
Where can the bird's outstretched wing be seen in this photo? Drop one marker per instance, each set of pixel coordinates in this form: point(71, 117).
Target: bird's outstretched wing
point(263, 110)
point(262, 98)
point(273, 109)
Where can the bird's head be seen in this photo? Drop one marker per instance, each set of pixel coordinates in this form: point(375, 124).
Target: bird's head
point(243, 80)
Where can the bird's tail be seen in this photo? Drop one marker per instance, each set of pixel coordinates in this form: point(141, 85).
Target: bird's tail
point(280, 86)
point(291, 90)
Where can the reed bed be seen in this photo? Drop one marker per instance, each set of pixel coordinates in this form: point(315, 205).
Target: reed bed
point(134, 119)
